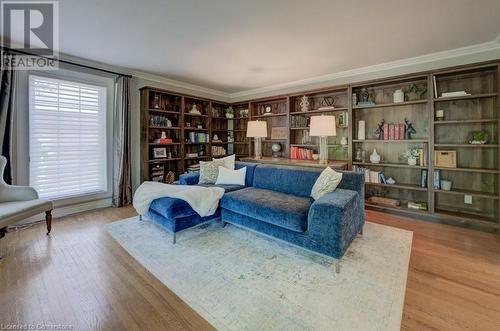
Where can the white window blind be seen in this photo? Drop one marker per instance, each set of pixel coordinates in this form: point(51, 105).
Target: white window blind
point(67, 138)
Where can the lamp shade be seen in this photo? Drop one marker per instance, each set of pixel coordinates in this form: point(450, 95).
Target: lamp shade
point(257, 129)
point(323, 126)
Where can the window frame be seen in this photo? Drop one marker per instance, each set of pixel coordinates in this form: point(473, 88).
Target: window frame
point(79, 78)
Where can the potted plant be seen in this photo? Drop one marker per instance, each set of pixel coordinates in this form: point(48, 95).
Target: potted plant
point(411, 156)
point(230, 112)
point(478, 138)
point(415, 92)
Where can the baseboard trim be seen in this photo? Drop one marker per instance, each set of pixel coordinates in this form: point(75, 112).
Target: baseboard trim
point(71, 209)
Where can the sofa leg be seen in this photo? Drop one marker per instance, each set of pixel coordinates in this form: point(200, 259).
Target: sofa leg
point(48, 220)
point(224, 224)
point(140, 217)
point(361, 231)
point(337, 267)
point(174, 239)
point(3, 231)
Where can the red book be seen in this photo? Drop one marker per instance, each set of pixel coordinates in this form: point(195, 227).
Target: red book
point(401, 131)
point(166, 141)
point(391, 132)
point(386, 131)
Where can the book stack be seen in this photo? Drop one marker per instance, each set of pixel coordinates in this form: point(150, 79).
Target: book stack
point(299, 122)
point(394, 131)
point(371, 176)
point(194, 168)
point(301, 153)
point(417, 205)
point(218, 151)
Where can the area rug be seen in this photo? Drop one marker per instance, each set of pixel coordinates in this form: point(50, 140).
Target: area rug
point(239, 280)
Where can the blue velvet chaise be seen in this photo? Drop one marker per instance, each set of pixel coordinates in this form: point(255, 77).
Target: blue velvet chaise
point(177, 215)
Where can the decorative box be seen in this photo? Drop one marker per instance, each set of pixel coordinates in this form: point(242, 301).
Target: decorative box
point(445, 159)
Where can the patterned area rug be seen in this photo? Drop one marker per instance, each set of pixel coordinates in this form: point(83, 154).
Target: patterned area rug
point(239, 280)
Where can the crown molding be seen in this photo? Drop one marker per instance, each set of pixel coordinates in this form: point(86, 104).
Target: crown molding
point(374, 69)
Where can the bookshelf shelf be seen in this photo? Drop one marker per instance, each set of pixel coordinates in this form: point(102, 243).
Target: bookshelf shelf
point(467, 97)
point(373, 141)
point(401, 208)
point(484, 120)
point(467, 145)
point(400, 186)
point(469, 192)
point(395, 165)
point(477, 170)
point(392, 104)
point(319, 111)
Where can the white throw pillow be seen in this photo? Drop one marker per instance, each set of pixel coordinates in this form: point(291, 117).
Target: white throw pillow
point(327, 182)
point(209, 171)
point(235, 177)
point(228, 161)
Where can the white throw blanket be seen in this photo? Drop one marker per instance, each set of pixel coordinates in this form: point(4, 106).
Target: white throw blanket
point(203, 200)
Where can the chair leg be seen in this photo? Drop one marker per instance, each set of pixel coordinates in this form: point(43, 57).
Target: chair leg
point(48, 220)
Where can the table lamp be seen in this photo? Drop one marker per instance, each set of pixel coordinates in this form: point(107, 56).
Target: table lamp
point(323, 127)
point(257, 130)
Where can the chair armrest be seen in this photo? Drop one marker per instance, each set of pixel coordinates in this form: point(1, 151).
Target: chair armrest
point(9, 193)
point(352, 180)
point(189, 179)
point(336, 218)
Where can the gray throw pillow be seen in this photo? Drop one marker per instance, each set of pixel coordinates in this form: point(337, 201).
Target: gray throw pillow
point(209, 171)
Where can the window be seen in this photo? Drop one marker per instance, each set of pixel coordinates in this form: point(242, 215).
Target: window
point(67, 138)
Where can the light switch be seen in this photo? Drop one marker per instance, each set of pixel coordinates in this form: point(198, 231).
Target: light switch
point(468, 199)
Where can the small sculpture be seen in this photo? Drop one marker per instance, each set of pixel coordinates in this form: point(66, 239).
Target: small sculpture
point(304, 103)
point(170, 177)
point(375, 157)
point(194, 110)
point(215, 138)
point(364, 98)
point(409, 130)
point(380, 130)
point(169, 123)
point(163, 135)
point(327, 103)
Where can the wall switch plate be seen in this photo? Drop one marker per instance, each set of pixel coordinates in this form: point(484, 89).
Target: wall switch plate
point(468, 199)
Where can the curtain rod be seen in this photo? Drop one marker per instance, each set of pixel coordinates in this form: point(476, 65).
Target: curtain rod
point(67, 62)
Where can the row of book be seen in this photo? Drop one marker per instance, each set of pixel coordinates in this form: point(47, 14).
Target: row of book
point(199, 137)
point(301, 153)
point(218, 151)
point(299, 122)
point(371, 176)
point(394, 131)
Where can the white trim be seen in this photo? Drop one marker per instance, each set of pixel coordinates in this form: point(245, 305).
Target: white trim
point(398, 64)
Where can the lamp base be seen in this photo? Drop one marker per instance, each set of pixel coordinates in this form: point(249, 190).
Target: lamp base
point(323, 162)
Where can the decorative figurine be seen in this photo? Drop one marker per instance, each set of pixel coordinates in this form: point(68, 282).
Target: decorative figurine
point(215, 139)
point(374, 157)
point(163, 135)
point(380, 130)
point(327, 103)
point(364, 98)
point(169, 123)
point(343, 141)
point(398, 96)
point(409, 130)
point(156, 102)
point(229, 112)
point(304, 103)
point(194, 110)
point(358, 157)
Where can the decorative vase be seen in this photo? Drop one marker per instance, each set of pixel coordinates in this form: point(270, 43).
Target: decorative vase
point(412, 161)
point(398, 96)
point(229, 115)
point(445, 185)
point(343, 141)
point(374, 157)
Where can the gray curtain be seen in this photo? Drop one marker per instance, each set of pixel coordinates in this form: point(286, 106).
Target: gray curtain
point(7, 92)
point(122, 178)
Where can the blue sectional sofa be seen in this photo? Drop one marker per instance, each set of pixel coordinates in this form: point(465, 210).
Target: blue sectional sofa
point(276, 201)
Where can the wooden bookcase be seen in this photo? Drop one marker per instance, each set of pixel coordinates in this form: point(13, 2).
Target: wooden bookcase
point(476, 175)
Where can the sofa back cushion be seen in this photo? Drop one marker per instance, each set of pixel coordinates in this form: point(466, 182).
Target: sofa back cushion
point(286, 179)
point(250, 171)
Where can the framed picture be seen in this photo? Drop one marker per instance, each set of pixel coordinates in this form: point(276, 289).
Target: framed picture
point(159, 153)
point(279, 133)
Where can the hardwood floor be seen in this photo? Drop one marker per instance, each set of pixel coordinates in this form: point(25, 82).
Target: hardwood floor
point(80, 276)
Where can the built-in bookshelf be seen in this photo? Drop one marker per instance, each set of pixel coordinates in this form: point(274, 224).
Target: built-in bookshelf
point(459, 121)
point(443, 124)
point(386, 119)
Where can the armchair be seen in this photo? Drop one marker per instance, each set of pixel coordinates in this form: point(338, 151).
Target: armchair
point(20, 202)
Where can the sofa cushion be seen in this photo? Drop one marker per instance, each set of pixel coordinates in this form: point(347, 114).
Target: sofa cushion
point(291, 180)
point(176, 208)
point(284, 210)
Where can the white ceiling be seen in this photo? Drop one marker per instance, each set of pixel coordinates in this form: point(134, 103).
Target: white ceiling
point(236, 45)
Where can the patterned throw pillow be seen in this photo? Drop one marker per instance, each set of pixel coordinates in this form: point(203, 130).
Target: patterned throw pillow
point(327, 182)
point(209, 171)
